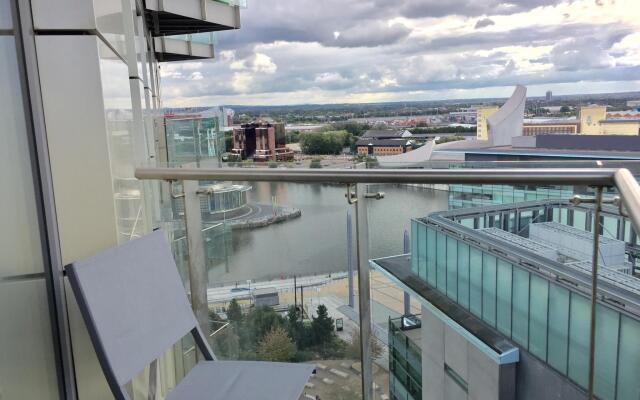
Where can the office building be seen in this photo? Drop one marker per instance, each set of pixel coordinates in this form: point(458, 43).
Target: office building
point(505, 306)
point(261, 141)
point(548, 96)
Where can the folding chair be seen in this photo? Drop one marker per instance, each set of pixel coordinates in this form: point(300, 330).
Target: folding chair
point(135, 308)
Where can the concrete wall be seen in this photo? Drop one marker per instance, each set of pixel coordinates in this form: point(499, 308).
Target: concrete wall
point(482, 113)
point(444, 348)
point(590, 117)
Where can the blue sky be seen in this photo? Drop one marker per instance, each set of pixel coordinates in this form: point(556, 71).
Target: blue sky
point(338, 51)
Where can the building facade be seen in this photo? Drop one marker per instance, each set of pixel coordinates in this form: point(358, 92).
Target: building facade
point(483, 113)
point(383, 147)
point(80, 102)
point(505, 307)
point(261, 141)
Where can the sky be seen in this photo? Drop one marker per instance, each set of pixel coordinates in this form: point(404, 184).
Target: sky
point(360, 51)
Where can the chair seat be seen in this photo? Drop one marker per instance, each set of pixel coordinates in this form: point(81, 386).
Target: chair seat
point(243, 380)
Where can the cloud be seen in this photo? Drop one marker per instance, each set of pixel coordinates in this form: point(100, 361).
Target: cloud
point(484, 22)
point(370, 35)
point(348, 50)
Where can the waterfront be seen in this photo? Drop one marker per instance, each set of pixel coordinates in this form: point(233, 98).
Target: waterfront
point(316, 243)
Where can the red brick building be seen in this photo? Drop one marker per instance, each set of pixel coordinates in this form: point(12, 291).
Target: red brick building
point(261, 141)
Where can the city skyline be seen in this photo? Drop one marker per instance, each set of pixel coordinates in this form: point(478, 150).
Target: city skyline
point(370, 51)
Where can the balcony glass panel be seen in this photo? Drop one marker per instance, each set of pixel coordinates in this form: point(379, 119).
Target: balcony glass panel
point(558, 327)
point(539, 298)
point(489, 289)
point(579, 317)
point(520, 313)
point(475, 281)
point(628, 384)
point(463, 275)
point(606, 352)
point(452, 268)
point(441, 262)
point(503, 307)
point(431, 257)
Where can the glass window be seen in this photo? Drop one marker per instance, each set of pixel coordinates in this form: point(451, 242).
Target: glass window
point(414, 247)
point(441, 262)
point(452, 268)
point(431, 257)
point(579, 317)
point(489, 289)
point(463, 275)
point(606, 352)
point(27, 361)
point(610, 227)
point(538, 301)
point(520, 309)
point(422, 251)
point(628, 360)
point(5, 15)
point(558, 327)
point(580, 219)
point(475, 281)
point(503, 306)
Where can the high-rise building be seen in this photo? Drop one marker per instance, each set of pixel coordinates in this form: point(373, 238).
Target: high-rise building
point(549, 95)
point(81, 108)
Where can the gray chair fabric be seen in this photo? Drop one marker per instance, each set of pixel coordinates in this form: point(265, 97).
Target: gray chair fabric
point(135, 308)
point(253, 380)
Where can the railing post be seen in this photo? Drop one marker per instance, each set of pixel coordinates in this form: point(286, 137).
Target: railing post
point(198, 278)
point(364, 293)
point(594, 289)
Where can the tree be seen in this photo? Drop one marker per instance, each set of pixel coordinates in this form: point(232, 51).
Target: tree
point(353, 350)
point(234, 312)
point(226, 343)
point(322, 326)
point(330, 142)
point(276, 345)
point(565, 109)
point(261, 320)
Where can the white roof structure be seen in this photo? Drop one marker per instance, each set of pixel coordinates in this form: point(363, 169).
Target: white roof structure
point(506, 123)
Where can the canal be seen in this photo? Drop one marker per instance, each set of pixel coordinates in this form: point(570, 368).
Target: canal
point(315, 243)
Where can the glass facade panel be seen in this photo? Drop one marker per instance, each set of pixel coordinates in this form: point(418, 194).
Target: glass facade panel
point(609, 227)
point(580, 219)
point(579, 317)
point(422, 251)
point(558, 327)
point(415, 252)
point(629, 359)
point(539, 297)
point(503, 290)
point(606, 352)
point(520, 312)
point(475, 281)
point(431, 257)
point(441, 262)
point(27, 361)
point(452, 268)
point(489, 289)
point(463, 275)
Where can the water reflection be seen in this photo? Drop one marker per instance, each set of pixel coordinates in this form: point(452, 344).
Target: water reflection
point(315, 243)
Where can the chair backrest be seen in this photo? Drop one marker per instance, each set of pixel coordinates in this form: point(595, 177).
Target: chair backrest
point(133, 303)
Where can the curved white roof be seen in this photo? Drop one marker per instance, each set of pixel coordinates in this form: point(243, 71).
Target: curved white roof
point(419, 155)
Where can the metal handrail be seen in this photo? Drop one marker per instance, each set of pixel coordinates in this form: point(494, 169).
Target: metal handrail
point(556, 176)
point(621, 178)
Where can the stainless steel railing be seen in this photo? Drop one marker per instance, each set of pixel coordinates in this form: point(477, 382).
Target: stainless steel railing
point(599, 178)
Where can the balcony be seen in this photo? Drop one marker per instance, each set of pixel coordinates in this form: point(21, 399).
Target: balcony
point(185, 47)
point(373, 246)
point(179, 17)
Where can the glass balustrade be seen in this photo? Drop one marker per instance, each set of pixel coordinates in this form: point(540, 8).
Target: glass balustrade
point(495, 282)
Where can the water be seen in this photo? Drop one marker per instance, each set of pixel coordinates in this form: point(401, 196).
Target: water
point(316, 242)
